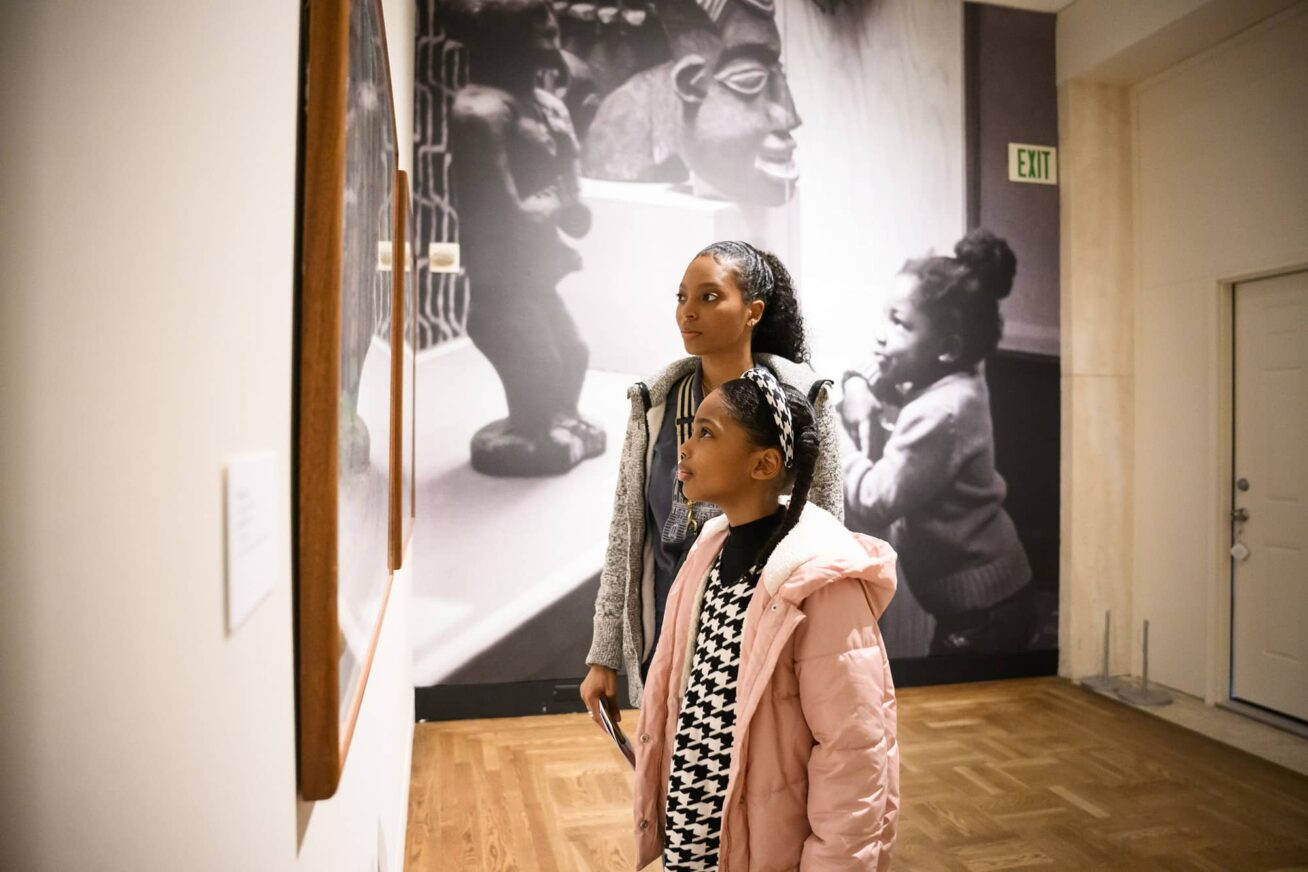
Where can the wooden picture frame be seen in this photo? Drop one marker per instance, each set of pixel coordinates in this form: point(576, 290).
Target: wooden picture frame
point(409, 387)
point(343, 397)
point(403, 376)
point(413, 370)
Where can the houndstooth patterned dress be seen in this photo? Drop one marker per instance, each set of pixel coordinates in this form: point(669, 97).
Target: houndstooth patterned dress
point(701, 753)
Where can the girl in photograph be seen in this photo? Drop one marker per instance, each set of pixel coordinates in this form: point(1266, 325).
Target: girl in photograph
point(767, 736)
point(928, 477)
point(736, 308)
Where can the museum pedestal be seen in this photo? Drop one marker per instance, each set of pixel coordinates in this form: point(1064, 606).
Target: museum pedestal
point(491, 553)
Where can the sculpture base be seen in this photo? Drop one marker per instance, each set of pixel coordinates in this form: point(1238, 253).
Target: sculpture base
point(463, 604)
point(501, 452)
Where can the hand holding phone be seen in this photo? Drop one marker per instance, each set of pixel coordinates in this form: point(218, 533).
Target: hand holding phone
point(615, 733)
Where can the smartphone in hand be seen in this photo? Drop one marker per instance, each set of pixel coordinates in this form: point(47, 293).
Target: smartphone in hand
point(615, 733)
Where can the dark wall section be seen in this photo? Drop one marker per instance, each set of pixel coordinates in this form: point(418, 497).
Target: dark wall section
point(1025, 401)
point(1011, 96)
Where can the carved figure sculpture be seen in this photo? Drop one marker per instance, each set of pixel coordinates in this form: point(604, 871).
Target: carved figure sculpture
point(614, 38)
point(515, 174)
point(718, 114)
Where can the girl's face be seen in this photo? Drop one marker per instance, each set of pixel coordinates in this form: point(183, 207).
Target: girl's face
point(711, 310)
point(719, 462)
point(909, 345)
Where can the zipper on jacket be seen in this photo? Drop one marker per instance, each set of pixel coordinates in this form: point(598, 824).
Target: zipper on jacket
point(647, 402)
point(645, 398)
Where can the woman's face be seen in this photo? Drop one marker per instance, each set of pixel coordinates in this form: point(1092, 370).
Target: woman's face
point(718, 459)
point(711, 310)
point(908, 345)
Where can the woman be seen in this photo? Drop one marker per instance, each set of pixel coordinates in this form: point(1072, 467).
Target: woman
point(736, 308)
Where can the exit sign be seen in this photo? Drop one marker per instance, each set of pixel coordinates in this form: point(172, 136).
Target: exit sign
point(1035, 164)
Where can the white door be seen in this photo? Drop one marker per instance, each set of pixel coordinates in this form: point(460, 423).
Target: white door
point(1269, 624)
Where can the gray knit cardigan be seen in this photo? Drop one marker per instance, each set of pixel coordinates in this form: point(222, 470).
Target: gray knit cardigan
point(624, 607)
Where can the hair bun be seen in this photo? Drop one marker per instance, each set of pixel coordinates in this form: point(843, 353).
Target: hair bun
point(990, 259)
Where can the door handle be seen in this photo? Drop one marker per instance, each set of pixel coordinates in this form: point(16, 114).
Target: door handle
point(1240, 515)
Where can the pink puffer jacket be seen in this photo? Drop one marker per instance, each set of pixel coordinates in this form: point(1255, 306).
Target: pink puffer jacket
point(814, 779)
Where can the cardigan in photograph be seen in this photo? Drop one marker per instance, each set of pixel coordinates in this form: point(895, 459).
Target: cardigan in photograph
point(936, 494)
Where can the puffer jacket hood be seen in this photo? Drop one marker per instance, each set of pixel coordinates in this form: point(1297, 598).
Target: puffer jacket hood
point(821, 550)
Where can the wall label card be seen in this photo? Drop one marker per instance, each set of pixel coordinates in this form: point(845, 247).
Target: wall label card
point(252, 544)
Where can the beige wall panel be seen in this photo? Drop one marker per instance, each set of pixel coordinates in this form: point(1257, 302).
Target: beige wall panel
point(1222, 192)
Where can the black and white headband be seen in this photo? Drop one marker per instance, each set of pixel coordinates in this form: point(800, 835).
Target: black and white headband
point(776, 398)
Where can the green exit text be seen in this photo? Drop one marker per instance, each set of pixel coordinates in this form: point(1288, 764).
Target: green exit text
point(1035, 164)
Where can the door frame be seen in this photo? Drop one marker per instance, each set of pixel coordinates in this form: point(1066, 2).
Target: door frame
point(1221, 651)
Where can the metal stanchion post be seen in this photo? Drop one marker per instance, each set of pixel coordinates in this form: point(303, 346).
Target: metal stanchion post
point(1144, 694)
point(1104, 682)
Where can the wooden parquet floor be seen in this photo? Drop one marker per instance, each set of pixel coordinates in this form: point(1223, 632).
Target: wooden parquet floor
point(1032, 774)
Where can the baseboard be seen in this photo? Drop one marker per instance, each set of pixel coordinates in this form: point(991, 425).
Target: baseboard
point(1267, 716)
point(460, 702)
point(959, 669)
point(456, 702)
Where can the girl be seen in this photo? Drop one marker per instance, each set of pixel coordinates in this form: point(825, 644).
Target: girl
point(736, 307)
point(767, 738)
point(932, 482)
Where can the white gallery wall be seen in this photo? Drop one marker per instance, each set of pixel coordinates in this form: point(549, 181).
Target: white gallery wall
point(1221, 192)
point(146, 336)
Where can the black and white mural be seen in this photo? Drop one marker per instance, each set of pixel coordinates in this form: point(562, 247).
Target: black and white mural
point(580, 154)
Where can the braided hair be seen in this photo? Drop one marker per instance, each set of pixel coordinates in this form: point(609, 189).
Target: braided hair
point(962, 292)
point(748, 408)
point(762, 276)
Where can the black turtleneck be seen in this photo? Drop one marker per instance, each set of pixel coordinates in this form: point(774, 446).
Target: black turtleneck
point(743, 544)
